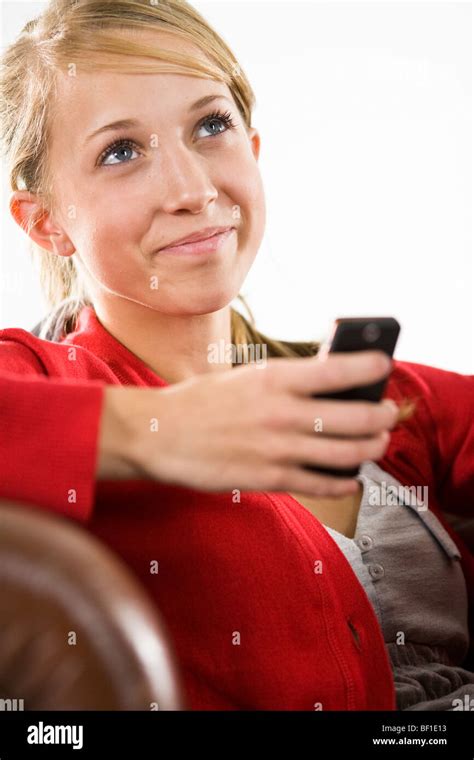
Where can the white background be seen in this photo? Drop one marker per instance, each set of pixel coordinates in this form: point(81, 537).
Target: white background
point(365, 115)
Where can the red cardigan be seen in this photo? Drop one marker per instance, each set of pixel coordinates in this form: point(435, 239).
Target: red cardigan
point(253, 625)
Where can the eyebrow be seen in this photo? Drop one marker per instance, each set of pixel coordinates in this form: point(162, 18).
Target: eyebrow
point(129, 123)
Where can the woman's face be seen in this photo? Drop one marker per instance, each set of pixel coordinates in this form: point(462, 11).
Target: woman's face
point(170, 175)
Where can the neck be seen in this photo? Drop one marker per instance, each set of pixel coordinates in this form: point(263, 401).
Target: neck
point(175, 347)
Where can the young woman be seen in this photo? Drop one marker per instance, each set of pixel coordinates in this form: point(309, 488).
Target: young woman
point(127, 127)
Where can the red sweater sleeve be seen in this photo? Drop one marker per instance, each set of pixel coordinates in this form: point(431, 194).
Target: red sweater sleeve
point(445, 413)
point(48, 435)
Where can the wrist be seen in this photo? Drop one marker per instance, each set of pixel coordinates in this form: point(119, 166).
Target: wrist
point(118, 434)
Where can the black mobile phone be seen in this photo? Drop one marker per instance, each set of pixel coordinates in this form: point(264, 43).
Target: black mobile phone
point(358, 334)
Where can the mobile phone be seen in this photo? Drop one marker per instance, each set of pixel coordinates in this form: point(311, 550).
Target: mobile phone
point(358, 334)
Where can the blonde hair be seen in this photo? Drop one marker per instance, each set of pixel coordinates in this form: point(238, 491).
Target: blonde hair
point(72, 34)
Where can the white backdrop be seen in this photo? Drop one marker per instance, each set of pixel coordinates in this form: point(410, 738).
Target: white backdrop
point(365, 115)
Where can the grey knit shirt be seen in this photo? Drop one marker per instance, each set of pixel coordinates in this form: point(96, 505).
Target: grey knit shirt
point(410, 569)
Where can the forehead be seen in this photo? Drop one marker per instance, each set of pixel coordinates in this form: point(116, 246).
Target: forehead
point(91, 98)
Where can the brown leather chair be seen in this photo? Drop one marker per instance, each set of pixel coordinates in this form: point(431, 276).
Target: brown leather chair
point(77, 630)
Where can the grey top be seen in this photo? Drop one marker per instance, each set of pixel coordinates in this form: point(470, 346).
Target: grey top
point(410, 569)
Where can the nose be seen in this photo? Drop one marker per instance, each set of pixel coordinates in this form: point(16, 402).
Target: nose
point(184, 181)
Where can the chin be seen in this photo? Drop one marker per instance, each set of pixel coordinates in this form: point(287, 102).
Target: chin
point(199, 305)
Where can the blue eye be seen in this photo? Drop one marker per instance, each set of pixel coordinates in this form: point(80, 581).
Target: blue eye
point(125, 144)
point(216, 116)
point(116, 147)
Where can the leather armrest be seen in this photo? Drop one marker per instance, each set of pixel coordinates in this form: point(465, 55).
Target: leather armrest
point(77, 629)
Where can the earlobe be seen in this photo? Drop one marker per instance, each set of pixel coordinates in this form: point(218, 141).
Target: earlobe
point(30, 213)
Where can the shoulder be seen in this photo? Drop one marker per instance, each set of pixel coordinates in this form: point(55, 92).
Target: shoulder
point(440, 393)
point(425, 376)
point(23, 353)
point(20, 351)
point(417, 376)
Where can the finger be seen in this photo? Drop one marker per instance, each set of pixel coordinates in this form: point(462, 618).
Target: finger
point(326, 452)
point(296, 479)
point(350, 418)
point(310, 374)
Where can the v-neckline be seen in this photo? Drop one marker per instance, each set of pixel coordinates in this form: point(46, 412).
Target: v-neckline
point(362, 501)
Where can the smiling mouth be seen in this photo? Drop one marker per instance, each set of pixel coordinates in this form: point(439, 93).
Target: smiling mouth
point(207, 245)
point(203, 234)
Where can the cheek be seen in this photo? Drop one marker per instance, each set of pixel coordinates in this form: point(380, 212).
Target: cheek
point(113, 233)
point(250, 197)
point(119, 217)
point(109, 251)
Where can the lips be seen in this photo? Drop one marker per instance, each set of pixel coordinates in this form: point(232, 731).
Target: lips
point(204, 234)
point(197, 249)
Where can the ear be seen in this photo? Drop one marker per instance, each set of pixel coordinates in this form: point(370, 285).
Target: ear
point(254, 138)
point(30, 213)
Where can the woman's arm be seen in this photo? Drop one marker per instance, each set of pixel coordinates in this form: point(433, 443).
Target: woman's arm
point(251, 429)
point(48, 435)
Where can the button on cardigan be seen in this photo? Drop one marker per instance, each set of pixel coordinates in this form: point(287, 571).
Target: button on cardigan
point(262, 608)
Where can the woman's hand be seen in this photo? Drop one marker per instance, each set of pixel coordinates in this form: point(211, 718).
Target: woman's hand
point(250, 428)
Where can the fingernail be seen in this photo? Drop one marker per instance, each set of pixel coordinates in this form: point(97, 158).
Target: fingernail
point(391, 404)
